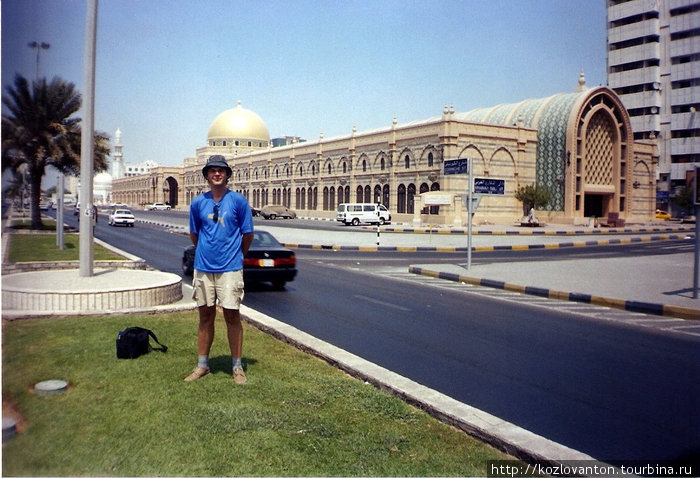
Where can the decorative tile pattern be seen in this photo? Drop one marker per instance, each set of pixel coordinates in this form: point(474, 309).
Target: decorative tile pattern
point(551, 147)
point(599, 151)
point(551, 115)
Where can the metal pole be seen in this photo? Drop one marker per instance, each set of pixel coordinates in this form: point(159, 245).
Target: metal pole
point(38, 47)
point(378, 220)
point(87, 142)
point(469, 213)
point(696, 269)
point(59, 212)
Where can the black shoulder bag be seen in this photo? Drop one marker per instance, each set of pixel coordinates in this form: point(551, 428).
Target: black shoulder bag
point(133, 342)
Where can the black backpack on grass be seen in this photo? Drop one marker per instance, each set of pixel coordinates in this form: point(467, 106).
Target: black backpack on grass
point(133, 342)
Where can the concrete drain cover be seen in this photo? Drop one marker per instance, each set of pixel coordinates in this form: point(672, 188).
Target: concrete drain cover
point(9, 428)
point(48, 387)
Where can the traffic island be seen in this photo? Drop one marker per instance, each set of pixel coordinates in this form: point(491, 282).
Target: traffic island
point(65, 292)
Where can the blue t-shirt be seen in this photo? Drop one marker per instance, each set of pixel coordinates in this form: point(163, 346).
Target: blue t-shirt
point(219, 243)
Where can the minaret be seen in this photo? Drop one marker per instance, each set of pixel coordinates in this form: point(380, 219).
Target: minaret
point(118, 166)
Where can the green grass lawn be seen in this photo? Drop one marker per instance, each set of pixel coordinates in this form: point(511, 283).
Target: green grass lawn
point(42, 247)
point(297, 416)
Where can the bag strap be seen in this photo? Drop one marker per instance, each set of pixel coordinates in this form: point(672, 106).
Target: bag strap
point(163, 348)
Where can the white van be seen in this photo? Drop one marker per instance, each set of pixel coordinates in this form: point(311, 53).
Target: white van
point(355, 213)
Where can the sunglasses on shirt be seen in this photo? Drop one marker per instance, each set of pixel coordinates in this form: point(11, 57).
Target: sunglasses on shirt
point(215, 218)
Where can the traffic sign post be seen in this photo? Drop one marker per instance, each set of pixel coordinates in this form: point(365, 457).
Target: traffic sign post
point(696, 201)
point(470, 213)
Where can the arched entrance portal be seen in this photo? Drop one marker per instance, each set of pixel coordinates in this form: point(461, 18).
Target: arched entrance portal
point(171, 191)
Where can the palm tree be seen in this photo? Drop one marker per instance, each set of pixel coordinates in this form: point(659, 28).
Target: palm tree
point(40, 131)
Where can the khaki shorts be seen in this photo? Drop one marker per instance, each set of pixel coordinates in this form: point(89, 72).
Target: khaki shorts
point(227, 287)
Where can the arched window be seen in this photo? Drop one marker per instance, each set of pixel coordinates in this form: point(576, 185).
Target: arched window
point(359, 194)
point(364, 166)
point(382, 164)
point(435, 210)
point(345, 168)
point(331, 199)
point(410, 194)
point(430, 160)
point(377, 194)
point(329, 168)
point(325, 198)
point(368, 194)
point(424, 188)
point(407, 162)
point(401, 199)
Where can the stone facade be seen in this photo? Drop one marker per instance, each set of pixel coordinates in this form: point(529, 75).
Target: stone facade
point(579, 145)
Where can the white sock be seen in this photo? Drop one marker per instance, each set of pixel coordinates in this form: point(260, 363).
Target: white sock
point(203, 361)
point(237, 363)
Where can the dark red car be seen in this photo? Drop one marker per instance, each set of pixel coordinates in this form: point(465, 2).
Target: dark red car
point(267, 261)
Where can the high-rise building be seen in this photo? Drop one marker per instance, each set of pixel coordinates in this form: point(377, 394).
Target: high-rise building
point(653, 49)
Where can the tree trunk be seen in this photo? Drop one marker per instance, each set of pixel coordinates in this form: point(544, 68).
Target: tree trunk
point(35, 200)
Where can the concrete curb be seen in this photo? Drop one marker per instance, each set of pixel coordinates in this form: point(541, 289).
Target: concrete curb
point(537, 232)
point(629, 305)
point(521, 247)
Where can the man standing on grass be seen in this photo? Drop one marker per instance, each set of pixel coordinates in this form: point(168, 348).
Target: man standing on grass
point(221, 228)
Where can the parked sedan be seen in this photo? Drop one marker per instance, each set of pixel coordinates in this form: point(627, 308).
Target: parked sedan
point(273, 211)
point(158, 206)
point(267, 261)
point(122, 217)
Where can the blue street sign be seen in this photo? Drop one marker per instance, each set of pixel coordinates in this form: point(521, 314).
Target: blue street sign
point(456, 166)
point(489, 186)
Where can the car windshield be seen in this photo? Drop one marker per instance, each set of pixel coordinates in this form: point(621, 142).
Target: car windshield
point(264, 239)
point(122, 211)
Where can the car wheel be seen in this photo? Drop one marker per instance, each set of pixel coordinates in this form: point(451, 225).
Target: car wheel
point(355, 222)
point(272, 216)
point(381, 221)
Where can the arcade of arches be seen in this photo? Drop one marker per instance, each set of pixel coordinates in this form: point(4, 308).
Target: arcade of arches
point(579, 145)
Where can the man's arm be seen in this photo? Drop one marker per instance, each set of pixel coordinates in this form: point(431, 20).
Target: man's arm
point(246, 241)
point(194, 238)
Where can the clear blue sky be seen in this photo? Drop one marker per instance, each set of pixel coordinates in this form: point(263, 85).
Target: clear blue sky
point(166, 69)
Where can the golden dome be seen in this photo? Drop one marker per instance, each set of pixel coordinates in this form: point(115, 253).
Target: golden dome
point(238, 124)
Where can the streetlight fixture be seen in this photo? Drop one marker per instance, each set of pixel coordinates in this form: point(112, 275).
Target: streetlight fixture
point(38, 47)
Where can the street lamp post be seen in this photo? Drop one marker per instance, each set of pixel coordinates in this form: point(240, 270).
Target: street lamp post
point(38, 47)
point(87, 138)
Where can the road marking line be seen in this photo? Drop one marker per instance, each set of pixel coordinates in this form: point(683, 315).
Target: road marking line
point(381, 302)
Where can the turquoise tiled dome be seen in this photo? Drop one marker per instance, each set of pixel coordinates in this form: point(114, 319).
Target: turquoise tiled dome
point(550, 117)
